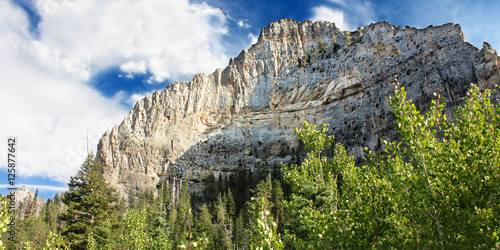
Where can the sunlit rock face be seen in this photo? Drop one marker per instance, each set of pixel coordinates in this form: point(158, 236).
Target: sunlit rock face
point(243, 116)
point(26, 203)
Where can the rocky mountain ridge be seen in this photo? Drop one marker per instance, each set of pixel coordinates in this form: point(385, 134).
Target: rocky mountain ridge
point(27, 203)
point(243, 116)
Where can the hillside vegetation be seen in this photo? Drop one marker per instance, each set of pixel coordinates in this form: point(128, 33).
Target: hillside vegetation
point(438, 187)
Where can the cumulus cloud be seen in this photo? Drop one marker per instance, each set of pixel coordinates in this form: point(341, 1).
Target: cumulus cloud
point(253, 39)
point(243, 24)
point(346, 15)
point(46, 99)
point(138, 96)
point(475, 17)
point(169, 38)
point(50, 114)
point(132, 68)
point(324, 13)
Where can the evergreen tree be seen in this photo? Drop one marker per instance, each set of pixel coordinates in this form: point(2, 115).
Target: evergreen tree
point(34, 204)
point(278, 199)
point(230, 205)
point(172, 225)
point(131, 199)
point(181, 221)
point(211, 187)
point(91, 207)
point(204, 227)
point(50, 212)
point(32, 231)
point(242, 232)
point(224, 224)
point(157, 218)
point(163, 199)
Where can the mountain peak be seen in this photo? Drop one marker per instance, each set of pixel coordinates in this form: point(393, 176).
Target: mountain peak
point(243, 116)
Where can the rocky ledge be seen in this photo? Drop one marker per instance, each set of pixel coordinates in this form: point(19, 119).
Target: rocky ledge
point(243, 116)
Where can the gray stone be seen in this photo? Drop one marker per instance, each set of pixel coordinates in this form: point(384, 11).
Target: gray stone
point(244, 116)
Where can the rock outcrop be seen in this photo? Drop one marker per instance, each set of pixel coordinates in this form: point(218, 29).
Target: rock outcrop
point(27, 203)
point(243, 116)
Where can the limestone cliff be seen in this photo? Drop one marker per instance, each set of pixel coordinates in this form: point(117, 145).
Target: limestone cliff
point(26, 203)
point(243, 116)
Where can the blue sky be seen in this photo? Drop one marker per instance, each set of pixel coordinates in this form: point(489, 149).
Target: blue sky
point(71, 69)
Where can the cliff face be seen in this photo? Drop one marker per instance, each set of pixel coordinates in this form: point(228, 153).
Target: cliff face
point(27, 203)
point(243, 116)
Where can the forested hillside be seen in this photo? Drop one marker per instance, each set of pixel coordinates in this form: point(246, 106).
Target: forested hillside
point(437, 187)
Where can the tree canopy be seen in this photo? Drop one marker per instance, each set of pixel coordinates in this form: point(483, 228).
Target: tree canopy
point(92, 207)
point(437, 187)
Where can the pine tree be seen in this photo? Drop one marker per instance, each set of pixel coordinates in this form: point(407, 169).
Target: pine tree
point(181, 219)
point(163, 199)
point(132, 199)
point(204, 226)
point(224, 223)
point(241, 232)
point(49, 214)
point(278, 200)
point(91, 205)
point(230, 205)
point(32, 231)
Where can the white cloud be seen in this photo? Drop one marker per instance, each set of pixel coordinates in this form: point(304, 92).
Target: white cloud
point(132, 68)
point(48, 113)
point(138, 96)
point(243, 24)
point(47, 103)
point(324, 13)
point(347, 15)
point(253, 38)
point(172, 38)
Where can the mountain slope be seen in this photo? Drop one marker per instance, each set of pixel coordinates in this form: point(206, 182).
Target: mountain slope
point(243, 116)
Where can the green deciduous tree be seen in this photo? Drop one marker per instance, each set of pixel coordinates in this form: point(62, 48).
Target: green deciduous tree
point(135, 235)
point(4, 218)
point(439, 187)
point(266, 236)
point(55, 242)
point(263, 228)
point(446, 171)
